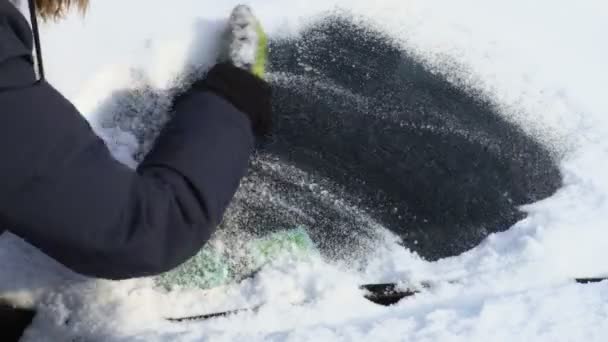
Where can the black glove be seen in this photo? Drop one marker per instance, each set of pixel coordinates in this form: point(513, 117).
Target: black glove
point(247, 92)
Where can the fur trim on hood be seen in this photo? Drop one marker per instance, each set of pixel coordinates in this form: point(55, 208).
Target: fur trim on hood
point(55, 9)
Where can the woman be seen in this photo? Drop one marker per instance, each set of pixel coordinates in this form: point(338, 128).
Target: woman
point(61, 190)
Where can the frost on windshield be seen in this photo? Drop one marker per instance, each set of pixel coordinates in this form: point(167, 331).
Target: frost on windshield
point(367, 140)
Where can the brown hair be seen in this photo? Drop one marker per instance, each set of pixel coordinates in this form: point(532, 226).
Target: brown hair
point(55, 9)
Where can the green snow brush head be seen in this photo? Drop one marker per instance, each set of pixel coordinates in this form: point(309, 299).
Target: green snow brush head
point(294, 243)
point(245, 42)
point(215, 265)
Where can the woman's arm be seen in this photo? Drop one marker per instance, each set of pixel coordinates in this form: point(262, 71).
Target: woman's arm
point(62, 191)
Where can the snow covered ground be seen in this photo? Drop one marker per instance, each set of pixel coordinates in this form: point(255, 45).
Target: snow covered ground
point(544, 61)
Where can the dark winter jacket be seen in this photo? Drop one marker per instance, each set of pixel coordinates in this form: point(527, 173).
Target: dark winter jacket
point(62, 191)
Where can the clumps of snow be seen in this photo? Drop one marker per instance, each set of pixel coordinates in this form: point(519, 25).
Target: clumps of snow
point(242, 38)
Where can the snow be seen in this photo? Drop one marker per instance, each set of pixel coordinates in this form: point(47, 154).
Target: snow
point(543, 60)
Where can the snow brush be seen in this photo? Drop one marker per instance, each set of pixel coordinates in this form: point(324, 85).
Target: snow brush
point(217, 266)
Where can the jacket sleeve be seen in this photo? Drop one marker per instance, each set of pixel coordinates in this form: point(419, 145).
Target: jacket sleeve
point(62, 191)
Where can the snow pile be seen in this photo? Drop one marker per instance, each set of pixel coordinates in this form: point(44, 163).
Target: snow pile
point(542, 60)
